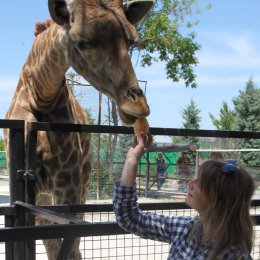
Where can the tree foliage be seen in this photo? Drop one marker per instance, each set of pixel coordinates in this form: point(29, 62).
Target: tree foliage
point(2, 145)
point(162, 38)
point(124, 142)
point(227, 118)
point(247, 107)
point(192, 119)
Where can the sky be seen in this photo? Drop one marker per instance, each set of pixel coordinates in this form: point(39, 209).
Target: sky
point(230, 54)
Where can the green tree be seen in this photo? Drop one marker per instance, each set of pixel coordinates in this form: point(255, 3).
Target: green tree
point(124, 142)
point(2, 145)
point(177, 139)
point(192, 120)
point(226, 122)
point(165, 36)
point(91, 119)
point(227, 118)
point(247, 107)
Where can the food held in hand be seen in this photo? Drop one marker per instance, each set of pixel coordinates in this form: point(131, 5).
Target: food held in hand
point(141, 125)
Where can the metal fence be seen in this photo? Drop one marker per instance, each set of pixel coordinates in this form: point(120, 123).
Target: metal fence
point(101, 237)
point(105, 240)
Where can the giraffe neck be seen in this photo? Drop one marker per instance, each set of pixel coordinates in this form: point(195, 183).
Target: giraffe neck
point(45, 68)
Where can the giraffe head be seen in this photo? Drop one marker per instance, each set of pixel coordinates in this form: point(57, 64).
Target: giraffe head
point(97, 35)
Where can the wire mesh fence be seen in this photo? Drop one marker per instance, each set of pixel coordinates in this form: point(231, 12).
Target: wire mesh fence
point(104, 172)
point(107, 164)
point(128, 246)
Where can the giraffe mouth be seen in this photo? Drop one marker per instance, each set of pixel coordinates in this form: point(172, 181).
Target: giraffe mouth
point(127, 118)
point(129, 113)
point(132, 105)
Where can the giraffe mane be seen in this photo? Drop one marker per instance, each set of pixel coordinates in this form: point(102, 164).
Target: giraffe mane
point(42, 26)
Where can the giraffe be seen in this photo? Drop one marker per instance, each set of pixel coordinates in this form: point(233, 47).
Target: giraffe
point(93, 37)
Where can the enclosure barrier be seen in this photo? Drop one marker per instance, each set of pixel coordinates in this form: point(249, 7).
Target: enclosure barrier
point(69, 227)
point(79, 228)
point(19, 216)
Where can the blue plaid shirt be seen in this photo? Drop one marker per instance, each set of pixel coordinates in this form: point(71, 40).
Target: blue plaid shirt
point(172, 230)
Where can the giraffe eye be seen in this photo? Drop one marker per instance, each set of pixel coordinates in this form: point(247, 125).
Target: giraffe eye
point(72, 19)
point(82, 45)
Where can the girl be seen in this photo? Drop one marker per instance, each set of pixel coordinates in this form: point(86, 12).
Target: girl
point(221, 195)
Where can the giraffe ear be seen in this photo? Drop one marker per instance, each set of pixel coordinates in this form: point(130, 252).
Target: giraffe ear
point(59, 11)
point(136, 10)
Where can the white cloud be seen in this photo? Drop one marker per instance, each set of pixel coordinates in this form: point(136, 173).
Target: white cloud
point(242, 43)
point(222, 80)
point(217, 76)
point(225, 59)
point(229, 50)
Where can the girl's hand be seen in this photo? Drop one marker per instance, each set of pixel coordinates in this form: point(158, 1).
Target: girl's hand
point(140, 145)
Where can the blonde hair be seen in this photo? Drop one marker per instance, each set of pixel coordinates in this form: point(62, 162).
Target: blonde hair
point(227, 218)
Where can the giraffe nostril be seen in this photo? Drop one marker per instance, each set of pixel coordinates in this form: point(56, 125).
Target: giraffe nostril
point(134, 93)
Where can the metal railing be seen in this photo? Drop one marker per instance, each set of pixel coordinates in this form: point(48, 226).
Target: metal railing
point(19, 216)
point(100, 225)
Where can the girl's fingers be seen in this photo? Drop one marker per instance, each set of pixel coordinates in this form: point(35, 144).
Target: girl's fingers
point(150, 138)
point(144, 140)
point(147, 139)
point(135, 142)
point(141, 139)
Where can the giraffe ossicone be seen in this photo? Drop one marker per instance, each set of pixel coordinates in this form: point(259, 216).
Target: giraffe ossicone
point(93, 37)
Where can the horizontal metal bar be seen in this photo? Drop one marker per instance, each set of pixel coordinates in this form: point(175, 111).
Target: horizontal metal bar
point(48, 214)
point(81, 208)
point(86, 208)
point(7, 210)
point(62, 127)
point(68, 231)
point(228, 150)
point(256, 219)
point(255, 203)
point(15, 124)
point(204, 133)
point(60, 231)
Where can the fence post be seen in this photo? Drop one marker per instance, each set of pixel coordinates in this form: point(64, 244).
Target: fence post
point(31, 156)
point(16, 250)
point(147, 179)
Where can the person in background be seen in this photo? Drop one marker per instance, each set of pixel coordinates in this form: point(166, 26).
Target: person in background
point(161, 171)
point(183, 166)
point(221, 194)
